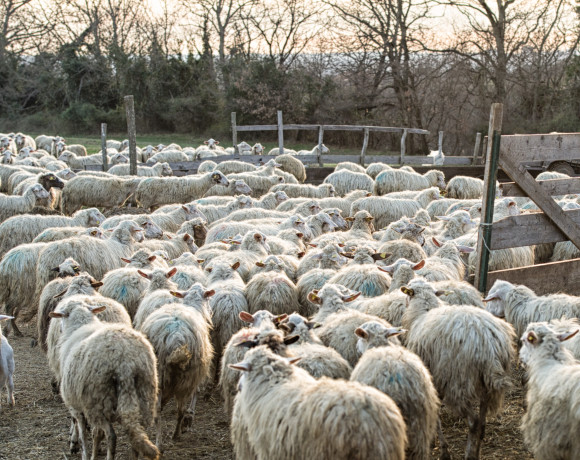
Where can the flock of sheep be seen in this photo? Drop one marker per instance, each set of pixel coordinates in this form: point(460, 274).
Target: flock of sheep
point(335, 319)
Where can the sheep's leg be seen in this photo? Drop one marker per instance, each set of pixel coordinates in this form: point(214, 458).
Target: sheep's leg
point(180, 414)
point(190, 413)
point(98, 436)
point(158, 423)
point(10, 389)
point(473, 437)
point(82, 430)
point(74, 437)
point(482, 417)
point(111, 442)
point(443, 446)
point(17, 332)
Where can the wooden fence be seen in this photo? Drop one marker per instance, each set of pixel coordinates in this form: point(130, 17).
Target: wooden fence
point(550, 226)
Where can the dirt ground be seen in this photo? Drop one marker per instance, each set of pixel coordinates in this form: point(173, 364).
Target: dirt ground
point(37, 428)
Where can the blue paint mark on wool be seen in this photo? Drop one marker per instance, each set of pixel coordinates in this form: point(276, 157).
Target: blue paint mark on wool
point(173, 326)
point(122, 293)
point(370, 289)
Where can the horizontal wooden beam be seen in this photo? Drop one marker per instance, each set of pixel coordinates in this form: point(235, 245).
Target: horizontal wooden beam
point(552, 187)
point(377, 129)
point(528, 229)
point(544, 278)
point(541, 147)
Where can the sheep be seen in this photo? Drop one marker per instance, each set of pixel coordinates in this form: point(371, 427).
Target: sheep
point(60, 233)
point(395, 180)
point(350, 166)
point(181, 339)
point(315, 358)
point(13, 205)
point(306, 191)
point(455, 225)
point(6, 364)
point(196, 227)
point(173, 245)
point(423, 197)
point(564, 325)
point(79, 162)
point(385, 210)
point(235, 187)
point(108, 374)
point(322, 149)
point(158, 293)
point(157, 170)
point(7, 143)
point(189, 271)
point(94, 255)
point(77, 149)
point(519, 305)
point(219, 232)
point(206, 166)
point(464, 188)
point(362, 275)
point(50, 181)
point(153, 192)
point(551, 419)
point(168, 156)
point(374, 169)
point(401, 375)
point(272, 291)
point(234, 167)
point(345, 180)
point(320, 223)
point(108, 192)
point(438, 157)
point(479, 351)
point(23, 229)
point(291, 165)
point(271, 200)
point(214, 213)
point(45, 142)
point(303, 403)
point(49, 297)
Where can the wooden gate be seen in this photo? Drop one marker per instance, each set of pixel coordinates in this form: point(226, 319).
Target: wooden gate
point(510, 153)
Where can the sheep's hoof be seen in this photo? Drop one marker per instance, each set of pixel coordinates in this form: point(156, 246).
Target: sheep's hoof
point(187, 421)
point(74, 447)
point(33, 343)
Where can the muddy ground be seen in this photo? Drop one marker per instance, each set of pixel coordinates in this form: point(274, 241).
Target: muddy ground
point(37, 428)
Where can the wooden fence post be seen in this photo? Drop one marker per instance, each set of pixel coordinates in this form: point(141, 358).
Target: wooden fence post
point(476, 149)
point(130, 109)
point(104, 146)
point(491, 163)
point(363, 152)
point(403, 146)
point(440, 143)
point(280, 134)
point(234, 133)
point(319, 152)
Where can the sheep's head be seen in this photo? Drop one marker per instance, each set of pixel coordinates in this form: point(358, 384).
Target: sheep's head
point(66, 174)
point(418, 288)
point(280, 196)
point(332, 295)
point(134, 230)
point(544, 340)
point(50, 180)
point(312, 207)
point(195, 295)
point(271, 264)
point(95, 232)
point(73, 311)
point(362, 220)
point(262, 317)
point(166, 169)
point(5, 141)
point(219, 178)
point(19, 139)
point(143, 258)
point(336, 217)
point(94, 216)
point(497, 296)
point(329, 189)
point(258, 149)
point(461, 220)
point(211, 143)
point(327, 224)
point(66, 157)
point(24, 152)
point(119, 159)
point(240, 187)
point(192, 212)
point(392, 269)
point(69, 267)
point(151, 229)
point(60, 146)
point(39, 192)
point(297, 324)
point(6, 157)
point(244, 202)
point(199, 230)
point(374, 334)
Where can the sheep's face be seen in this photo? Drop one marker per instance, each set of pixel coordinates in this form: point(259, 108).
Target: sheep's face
point(95, 232)
point(281, 196)
point(331, 190)
point(66, 157)
point(19, 139)
point(60, 147)
point(39, 192)
point(336, 217)
point(541, 338)
point(4, 141)
point(496, 298)
point(242, 188)
point(137, 233)
point(96, 218)
point(219, 178)
point(260, 239)
point(24, 152)
point(244, 202)
point(67, 174)
point(6, 157)
point(374, 334)
point(150, 228)
point(327, 224)
point(166, 170)
point(211, 144)
point(52, 180)
point(259, 150)
point(441, 181)
point(192, 211)
point(119, 159)
point(324, 149)
point(69, 267)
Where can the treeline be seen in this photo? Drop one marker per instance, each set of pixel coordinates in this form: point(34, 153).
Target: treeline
point(66, 65)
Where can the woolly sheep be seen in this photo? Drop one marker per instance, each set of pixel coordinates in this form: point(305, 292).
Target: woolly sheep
point(45, 142)
point(13, 205)
point(61, 233)
point(395, 180)
point(157, 170)
point(23, 140)
point(173, 245)
point(112, 367)
point(401, 375)
point(464, 188)
point(158, 293)
point(385, 210)
point(292, 165)
point(259, 184)
point(303, 403)
point(306, 191)
point(374, 169)
point(79, 162)
point(551, 419)
point(235, 187)
point(107, 192)
point(23, 229)
point(272, 291)
point(520, 306)
point(206, 166)
point(153, 192)
point(234, 167)
point(6, 364)
point(168, 156)
point(345, 180)
point(479, 351)
point(180, 337)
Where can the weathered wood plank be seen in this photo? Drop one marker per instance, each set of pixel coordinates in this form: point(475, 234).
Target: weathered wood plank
point(280, 133)
point(476, 149)
point(544, 278)
point(320, 138)
point(528, 229)
point(491, 164)
point(545, 202)
point(540, 147)
point(132, 131)
point(364, 146)
point(551, 187)
point(104, 146)
point(234, 132)
point(361, 128)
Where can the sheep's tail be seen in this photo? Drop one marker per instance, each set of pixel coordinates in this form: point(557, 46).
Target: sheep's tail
point(136, 404)
point(180, 356)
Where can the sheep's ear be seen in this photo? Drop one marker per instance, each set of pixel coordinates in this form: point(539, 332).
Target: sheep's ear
point(293, 360)
point(490, 298)
point(185, 208)
point(369, 218)
point(260, 264)
point(186, 237)
point(341, 245)
point(394, 331)
point(240, 367)
point(397, 230)
point(55, 269)
point(284, 327)
point(348, 255)
point(60, 294)
point(351, 297)
point(435, 242)
point(96, 284)
point(247, 344)
point(257, 236)
point(567, 335)
point(292, 339)
point(278, 319)
point(419, 265)
point(168, 237)
point(388, 269)
point(246, 317)
point(445, 218)
point(465, 249)
point(143, 274)
point(209, 293)
point(152, 258)
point(369, 194)
point(209, 269)
point(361, 333)
point(314, 298)
point(178, 294)
point(54, 314)
point(205, 142)
point(312, 245)
point(312, 325)
point(5, 317)
point(532, 337)
point(200, 261)
point(349, 219)
point(381, 256)
point(300, 254)
point(127, 261)
point(236, 265)
point(406, 290)
point(171, 272)
point(300, 234)
point(440, 293)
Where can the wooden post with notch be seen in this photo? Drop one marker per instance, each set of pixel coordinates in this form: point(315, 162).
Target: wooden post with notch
point(234, 133)
point(440, 143)
point(104, 146)
point(403, 146)
point(280, 134)
point(319, 152)
point(130, 110)
point(363, 152)
point(491, 164)
point(476, 149)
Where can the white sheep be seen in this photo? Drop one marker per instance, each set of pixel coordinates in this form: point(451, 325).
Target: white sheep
point(374, 169)
point(91, 191)
point(292, 165)
point(272, 291)
point(395, 180)
point(158, 170)
point(235, 187)
point(6, 364)
point(345, 181)
point(158, 293)
point(13, 205)
point(306, 191)
point(385, 210)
